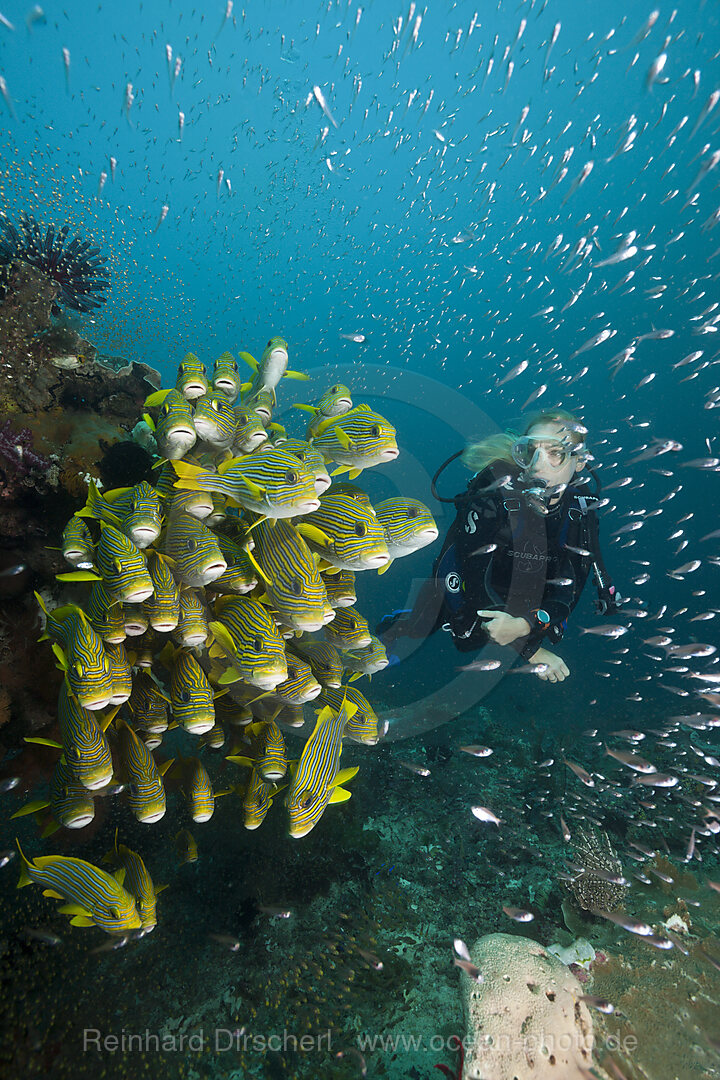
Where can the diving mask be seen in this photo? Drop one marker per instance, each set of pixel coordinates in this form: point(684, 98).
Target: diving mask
point(527, 451)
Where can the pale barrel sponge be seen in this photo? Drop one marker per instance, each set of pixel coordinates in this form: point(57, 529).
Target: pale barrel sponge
point(524, 1020)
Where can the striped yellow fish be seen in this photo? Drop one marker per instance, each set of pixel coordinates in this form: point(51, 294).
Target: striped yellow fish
point(348, 630)
point(226, 377)
point(269, 482)
point(191, 695)
point(233, 713)
point(407, 525)
point(334, 402)
point(191, 377)
point(317, 780)
point(292, 582)
point(215, 421)
point(215, 737)
point(106, 614)
point(145, 790)
point(70, 803)
point(197, 787)
point(362, 724)
point(174, 429)
point(247, 635)
point(257, 799)
point(356, 440)
point(197, 559)
point(241, 576)
point(134, 511)
point(272, 760)
point(186, 847)
point(323, 658)
point(250, 433)
point(345, 534)
point(135, 621)
point(163, 607)
point(192, 628)
point(311, 458)
point(197, 503)
point(367, 660)
point(95, 898)
point(340, 588)
point(120, 671)
point(300, 686)
point(139, 512)
point(272, 368)
point(81, 654)
point(123, 566)
point(84, 744)
point(137, 882)
point(77, 544)
point(148, 705)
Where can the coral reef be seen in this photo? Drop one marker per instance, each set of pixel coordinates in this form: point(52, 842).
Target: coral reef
point(593, 851)
point(76, 269)
point(20, 465)
point(63, 412)
point(524, 1020)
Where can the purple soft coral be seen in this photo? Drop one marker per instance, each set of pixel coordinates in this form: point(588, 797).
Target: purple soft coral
point(17, 455)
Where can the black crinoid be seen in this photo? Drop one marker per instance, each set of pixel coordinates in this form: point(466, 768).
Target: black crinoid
point(77, 268)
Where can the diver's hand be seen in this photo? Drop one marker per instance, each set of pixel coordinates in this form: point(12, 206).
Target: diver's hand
point(556, 670)
point(504, 628)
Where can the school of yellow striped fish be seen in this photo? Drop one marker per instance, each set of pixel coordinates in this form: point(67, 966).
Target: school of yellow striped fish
point(205, 596)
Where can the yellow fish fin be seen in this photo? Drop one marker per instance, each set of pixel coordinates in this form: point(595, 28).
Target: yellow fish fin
point(31, 808)
point(106, 721)
point(229, 676)
point(249, 360)
point(60, 656)
point(116, 493)
point(240, 760)
point(228, 463)
point(344, 775)
point(355, 676)
point(157, 398)
point(43, 742)
point(82, 920)
point(149, 421)
point(354, 473)
point(386, 567)
point(341, 469)
point(323, 426)
point(258, 567)
point(296, 375)
point(307, 408)
point(79, 575)
point(186, 470)
point(343, 438)
point(51, 828)
point(339, 794)
point(119, 875)
point(53, 893)
point(162, 769)
point(222, 636)
point(311, 532)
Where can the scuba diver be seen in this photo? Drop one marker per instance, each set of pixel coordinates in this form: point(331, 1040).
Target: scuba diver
point(523, 543)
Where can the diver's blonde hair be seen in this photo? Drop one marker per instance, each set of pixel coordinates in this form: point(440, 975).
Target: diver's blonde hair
point(477, 456)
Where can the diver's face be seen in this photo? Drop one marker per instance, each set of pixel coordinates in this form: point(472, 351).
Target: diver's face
point(552, 462)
